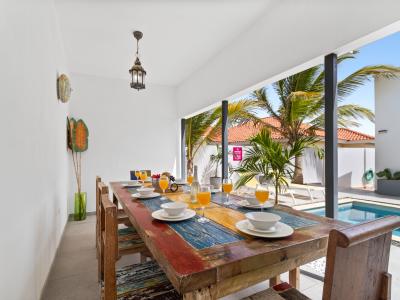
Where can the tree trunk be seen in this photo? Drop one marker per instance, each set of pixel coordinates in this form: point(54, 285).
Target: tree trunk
point(298, 171)
point(189, 166)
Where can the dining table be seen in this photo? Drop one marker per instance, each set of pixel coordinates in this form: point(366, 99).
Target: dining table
point(214, 259)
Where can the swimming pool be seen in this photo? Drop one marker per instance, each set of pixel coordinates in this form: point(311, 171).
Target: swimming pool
point(358, 212)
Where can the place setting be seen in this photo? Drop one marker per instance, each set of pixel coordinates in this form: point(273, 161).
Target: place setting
point(131, 184)
point(173, 212)
point(265, 225)
point(145, 193)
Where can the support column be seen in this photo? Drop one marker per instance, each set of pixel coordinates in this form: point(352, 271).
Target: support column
point(183, 149)
point(331, 150)
point(224, 137)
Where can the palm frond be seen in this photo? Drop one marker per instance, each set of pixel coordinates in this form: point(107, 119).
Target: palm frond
point(352, 82)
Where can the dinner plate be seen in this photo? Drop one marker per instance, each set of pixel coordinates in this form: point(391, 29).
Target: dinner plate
point(139, 196)
point(245, 203)
point(131, 184)
point(252, 228)
point(159, 215)
point(282, 230)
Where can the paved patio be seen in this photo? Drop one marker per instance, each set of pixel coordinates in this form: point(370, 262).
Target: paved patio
point(302, 196)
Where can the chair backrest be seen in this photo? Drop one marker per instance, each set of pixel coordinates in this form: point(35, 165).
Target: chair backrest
point(108, 246)
point(98, 180)
point(100, 188)
point(357, 261)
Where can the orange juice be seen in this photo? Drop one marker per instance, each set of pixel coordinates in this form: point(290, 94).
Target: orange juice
point(137, 174)
point(143, 176)
point(163, 182)
point(190, 179)
point(204, 198)
point(262, 196)
point(227, 187)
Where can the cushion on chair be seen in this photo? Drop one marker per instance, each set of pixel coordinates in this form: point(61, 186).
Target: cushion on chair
point(131, 243)
point(282, 291)
point(126, 231)
point(144, 281)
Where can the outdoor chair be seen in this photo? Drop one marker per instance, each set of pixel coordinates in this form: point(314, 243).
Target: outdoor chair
point(138, 281)
point(356, 265)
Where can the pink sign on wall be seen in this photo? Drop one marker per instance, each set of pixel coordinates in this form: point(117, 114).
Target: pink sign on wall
point(237, 153)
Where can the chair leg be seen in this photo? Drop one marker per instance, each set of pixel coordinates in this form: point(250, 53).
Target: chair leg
point(143, 258)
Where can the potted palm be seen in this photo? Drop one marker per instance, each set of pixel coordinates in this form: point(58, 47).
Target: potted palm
point(77, 141)
point(270, 160)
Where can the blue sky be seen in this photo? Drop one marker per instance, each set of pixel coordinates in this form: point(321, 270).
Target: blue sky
point(384, 51)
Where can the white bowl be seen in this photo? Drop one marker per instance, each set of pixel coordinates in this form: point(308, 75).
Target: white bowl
point(145, 191)
point(174, 208)
point(262, 220)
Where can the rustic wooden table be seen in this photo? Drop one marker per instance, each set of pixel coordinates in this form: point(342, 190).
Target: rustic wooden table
point(220, 270)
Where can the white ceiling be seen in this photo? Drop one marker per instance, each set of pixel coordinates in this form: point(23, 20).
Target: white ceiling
point(179, 35)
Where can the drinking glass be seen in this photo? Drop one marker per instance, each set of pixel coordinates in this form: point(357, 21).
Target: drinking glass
point(262, 194)
point(163, 183)
point(143, 175)
point(137, 174)
point(190, 179)
point(204, 198)
point(227, 187)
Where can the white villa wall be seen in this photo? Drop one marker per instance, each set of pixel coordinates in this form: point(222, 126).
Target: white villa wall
point(33, 156)
point(387, 110)
point(128, 130)
point(352, 164)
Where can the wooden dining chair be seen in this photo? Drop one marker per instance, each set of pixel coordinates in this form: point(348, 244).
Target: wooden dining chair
point(122, 217)
point(129, 241)
point(138, 281)
point(356, 265)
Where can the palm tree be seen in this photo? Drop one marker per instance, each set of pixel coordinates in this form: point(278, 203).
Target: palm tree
point(301, 101)
point(271, 159)
point(202, 127)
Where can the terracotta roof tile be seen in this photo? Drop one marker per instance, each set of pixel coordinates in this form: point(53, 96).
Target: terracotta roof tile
point(242, 133)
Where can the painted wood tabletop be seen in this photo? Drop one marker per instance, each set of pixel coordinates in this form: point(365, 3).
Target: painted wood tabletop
point(229, 267)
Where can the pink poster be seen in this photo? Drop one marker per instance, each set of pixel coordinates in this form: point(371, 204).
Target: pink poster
point(237, 153)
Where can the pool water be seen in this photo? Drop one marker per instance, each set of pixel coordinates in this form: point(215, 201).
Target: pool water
point(358, 212)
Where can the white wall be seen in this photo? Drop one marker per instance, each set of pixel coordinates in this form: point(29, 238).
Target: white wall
point(352, 164)
point(387, 110)
point(127, 130)
point(33, 156)
point(291, 36)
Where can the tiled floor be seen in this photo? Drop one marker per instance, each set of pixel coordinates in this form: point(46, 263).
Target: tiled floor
point(74, 272)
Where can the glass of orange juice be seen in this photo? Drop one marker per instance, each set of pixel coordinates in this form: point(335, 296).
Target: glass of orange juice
point(190, 179)
point(137, 174)
point(143, 175)
point(262, 194)
point(163, 183)
point(204, 198)
point(227, 187)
